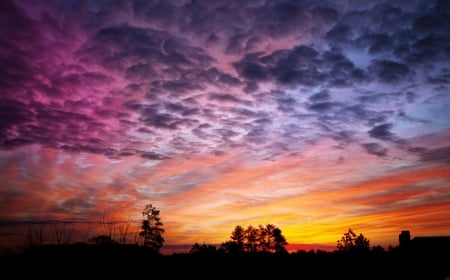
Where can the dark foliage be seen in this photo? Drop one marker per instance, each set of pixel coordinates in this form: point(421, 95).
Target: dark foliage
point(151, 229)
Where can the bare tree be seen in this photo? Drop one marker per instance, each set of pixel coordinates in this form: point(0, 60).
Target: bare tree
point(109, 227)
point(61, 234)
point(34, 234)
point(123, 230)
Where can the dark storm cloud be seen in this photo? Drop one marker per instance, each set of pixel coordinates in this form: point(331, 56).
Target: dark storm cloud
point(376, 42)
point(320, 96)
point(296, 66)
point(442, 78)
point(227, 79)
point(27, 76)
point(381, 131)
point(286, 104)
point(256, 136)
point(226, 97)
point(326, 14)
point(339, 33)
point(12, 113)
point(413, 32)
point(152, 155)
point(358, 113)
point(117, 46)
point(86, 79)
point(134, 53)
point(237, 44)
point(324, 106)
point(73, 69)
point(438, 155)
point(139, 71)
point(15, 71)
point(343, 136)
point(201, 131)
point(389, 71)
point(250, 68)
point(40, 123)
point(375, 149)
point(152, 117)
point(301, 66)
point(21, 40)
point(387, 97)
point(76, 202)
point(176, 108)
point(226, 134)
point(161, 12)
point(230, 22)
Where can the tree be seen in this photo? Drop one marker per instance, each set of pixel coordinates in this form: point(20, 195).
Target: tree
point(255, 239)
point(251, 239)
point(279, 242)
point(62, 235)
point(238, 236)
point(204, 249)
point(271, 239)
point(231, 247)
point(236, 244)
point(151, 229)
point(352, 243)
point(34, 235)
point(103, 239)
point(123, 232)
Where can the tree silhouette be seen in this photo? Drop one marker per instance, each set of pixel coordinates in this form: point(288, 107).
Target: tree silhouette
point(34, 235)
point(237, 235)
point(231, 247)
point(352, 243)
point(236, 244)
point(255, 239)
point(271, 239)
point(102, 239)
point(204, 249)
point(278, 242)
point(251, 239)
point(151, 229)
point(61, 234)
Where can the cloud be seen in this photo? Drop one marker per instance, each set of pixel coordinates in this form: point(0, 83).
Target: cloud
point(225, 107)
point(389, 71)
point(118, 85)
point(382, 131)
point(440, 155)
point(375, 149)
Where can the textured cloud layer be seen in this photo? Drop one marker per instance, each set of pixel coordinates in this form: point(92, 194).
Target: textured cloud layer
point(157, 79)
point(153, 83)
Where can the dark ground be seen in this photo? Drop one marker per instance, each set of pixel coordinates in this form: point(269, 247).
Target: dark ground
point(137, 262)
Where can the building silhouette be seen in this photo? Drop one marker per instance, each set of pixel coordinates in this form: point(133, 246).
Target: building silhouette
point(424, 243)
point(404, 238)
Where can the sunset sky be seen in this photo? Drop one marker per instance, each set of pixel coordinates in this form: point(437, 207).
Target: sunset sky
point(314, 116)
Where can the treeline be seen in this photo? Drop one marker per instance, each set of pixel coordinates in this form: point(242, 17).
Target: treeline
point(250, 240)
point(250, 252)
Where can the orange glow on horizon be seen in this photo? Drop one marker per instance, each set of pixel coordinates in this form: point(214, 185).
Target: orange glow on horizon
point(308, 203)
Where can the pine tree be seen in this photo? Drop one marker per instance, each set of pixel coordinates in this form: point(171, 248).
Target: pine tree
point(151, 229)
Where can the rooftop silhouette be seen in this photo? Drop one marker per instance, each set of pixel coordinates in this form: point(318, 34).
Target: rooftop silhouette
point(424, 243)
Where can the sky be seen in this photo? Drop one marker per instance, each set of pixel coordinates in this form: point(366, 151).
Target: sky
point(313, 116)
